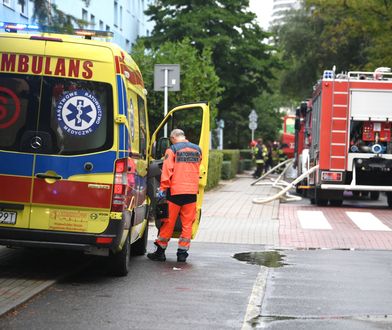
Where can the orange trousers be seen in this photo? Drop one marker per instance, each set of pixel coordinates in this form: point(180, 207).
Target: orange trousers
point(187, 214)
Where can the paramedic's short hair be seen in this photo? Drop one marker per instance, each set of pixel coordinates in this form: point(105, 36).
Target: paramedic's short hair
point(177, 132)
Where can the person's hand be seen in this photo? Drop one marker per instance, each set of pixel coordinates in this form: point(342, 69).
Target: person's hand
point(161, 194)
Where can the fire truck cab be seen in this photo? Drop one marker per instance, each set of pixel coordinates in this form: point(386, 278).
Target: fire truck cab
point(351, 135)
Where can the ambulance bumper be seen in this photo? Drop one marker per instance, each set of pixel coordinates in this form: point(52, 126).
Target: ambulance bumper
point(355, 188)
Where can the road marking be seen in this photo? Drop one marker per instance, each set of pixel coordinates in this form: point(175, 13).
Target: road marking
point(367, 221)
point(313, 220)
point(253, 310)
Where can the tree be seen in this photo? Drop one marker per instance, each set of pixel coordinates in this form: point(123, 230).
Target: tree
point(199, 81)
point(351, 34)
point(243, 62)
point(47, 14)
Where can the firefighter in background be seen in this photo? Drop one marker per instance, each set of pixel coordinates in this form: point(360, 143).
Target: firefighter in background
point(278, 155)
point(179, 185)
point(260, 153)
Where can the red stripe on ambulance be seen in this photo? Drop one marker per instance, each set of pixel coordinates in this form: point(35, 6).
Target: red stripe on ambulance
point(15, 189)
point(71, 193)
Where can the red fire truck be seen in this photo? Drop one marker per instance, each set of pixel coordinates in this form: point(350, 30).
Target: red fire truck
point(345, 129)
point(288, 136)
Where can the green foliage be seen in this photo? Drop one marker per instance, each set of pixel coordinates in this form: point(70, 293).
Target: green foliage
point(214, 168)
point(233, 156)
point(351, 34)
point(197, 76)
point(226, 170)
point(46, 13)
point(247, 164)
point(243, 62)
point(245, 154)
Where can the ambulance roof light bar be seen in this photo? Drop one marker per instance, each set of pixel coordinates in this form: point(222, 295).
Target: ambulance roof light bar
point(88, 34)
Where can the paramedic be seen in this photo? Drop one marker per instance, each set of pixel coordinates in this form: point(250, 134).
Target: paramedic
point(179, 184)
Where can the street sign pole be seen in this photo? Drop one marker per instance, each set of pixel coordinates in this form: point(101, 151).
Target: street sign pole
point(166, 98)
point(253, 123)
point(166, 76)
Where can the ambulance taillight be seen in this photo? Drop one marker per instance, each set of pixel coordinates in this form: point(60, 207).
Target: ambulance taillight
point(119, 185)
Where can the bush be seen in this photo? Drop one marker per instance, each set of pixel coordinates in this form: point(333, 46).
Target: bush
point(247, 164)
point(214, 168)
point(241, 166)
point(233, 156)
point(226, 170)
point(246, 154)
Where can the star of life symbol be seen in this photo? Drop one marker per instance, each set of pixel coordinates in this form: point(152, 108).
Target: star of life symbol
point(79, 113)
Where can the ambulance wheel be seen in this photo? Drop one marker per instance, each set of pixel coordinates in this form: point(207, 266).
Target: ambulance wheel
point(139, 248)
point(120, 261)
point(374, 195)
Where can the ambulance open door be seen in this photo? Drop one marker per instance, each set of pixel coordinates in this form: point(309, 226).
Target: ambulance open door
point(194, 120)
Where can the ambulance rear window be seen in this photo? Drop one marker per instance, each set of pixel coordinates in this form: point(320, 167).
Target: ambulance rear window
point(55, 115)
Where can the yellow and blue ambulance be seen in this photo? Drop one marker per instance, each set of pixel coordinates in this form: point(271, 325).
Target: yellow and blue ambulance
point(78, 167)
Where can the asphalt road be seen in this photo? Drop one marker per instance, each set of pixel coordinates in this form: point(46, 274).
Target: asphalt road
point(320, 289)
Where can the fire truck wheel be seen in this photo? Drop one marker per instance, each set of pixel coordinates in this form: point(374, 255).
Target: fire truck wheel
point(336, 202)
point(374, 195)
point(322, 202)
point(312, 201)
point(389, 198)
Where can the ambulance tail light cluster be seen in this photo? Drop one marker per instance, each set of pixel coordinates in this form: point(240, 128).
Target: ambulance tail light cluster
point(331, 176)
point(119, 185)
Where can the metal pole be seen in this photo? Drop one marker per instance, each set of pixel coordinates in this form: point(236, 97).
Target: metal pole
point(166, 98)
point(253, 134)
point(220, 138)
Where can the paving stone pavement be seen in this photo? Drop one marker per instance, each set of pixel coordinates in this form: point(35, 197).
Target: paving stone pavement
point(229, 216)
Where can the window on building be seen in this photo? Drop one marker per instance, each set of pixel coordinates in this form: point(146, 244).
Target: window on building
point(92, 21)
point(115, 13)
point(100, 25)
point(107, 28)
point(23, 9)
point(84, 15)
point(7, 3)
point(121, 18)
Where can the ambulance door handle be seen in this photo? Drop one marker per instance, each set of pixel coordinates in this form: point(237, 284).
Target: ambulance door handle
point(47, 176)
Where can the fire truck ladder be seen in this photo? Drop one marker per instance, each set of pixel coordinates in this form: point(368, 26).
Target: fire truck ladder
point(339, 126)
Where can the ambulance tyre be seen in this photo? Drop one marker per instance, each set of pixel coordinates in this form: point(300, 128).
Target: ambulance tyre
point(320, 201)
point(139, 248)
point(119, 262)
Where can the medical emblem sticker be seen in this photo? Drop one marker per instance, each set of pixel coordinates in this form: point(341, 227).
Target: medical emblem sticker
point(79, 113)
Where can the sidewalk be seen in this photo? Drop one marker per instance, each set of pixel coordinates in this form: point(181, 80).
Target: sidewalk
point(228, 216)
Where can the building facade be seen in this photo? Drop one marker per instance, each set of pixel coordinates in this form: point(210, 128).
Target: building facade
point(125, 18)
point(280, 8)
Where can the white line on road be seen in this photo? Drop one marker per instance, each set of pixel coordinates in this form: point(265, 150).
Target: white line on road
point(256, 299)
point(367, 221)
point(313, 220)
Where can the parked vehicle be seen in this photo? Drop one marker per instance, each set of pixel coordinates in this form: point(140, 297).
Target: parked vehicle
point(76, 156)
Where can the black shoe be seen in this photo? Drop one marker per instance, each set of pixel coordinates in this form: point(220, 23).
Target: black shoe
point(182, 255)
point(158, 255)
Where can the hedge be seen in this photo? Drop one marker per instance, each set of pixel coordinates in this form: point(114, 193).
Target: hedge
point(233, 156)
point(214, 168)
point(226, 170)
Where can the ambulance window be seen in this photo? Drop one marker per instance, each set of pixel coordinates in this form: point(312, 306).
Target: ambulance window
point(19, 100)
point(142, 126)
point(81, 115)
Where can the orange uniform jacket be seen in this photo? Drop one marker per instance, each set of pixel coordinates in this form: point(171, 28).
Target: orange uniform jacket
point(180, 171)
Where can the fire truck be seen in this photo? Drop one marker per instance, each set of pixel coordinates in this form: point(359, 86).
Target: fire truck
point(288, 136)
point(344, 132)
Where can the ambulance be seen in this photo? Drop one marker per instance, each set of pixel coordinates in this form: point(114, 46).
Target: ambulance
point(78, 167)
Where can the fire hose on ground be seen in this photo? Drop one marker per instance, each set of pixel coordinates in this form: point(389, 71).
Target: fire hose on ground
point(285, 186)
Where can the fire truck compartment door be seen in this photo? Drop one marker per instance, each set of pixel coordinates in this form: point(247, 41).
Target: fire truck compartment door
point(371, 104)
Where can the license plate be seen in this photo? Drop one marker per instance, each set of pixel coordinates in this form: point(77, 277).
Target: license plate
point(7, 217)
